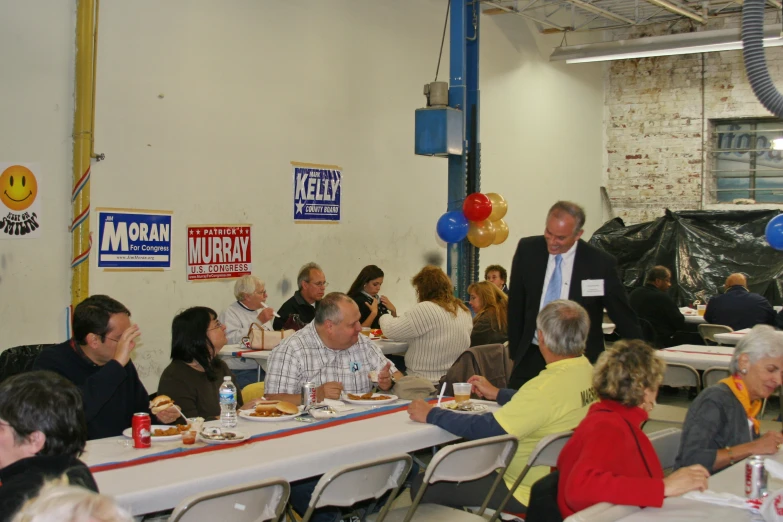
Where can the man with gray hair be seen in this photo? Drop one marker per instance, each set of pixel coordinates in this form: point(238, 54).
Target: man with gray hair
point(556, 400)
point(311, 283)
point(249, 308)
point(331, 353)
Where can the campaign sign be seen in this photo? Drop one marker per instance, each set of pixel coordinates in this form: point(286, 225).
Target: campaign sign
point(316, 192)
point(134, 239)
point(218, 252)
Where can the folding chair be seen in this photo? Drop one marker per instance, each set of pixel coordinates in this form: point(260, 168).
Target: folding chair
point(713, 375)
point(603, 512)
point(708, 331)
point(681, 376)
point(348, 485)
point(667, 444)
point(545, 453)
point(459, 463)
point(252, 502)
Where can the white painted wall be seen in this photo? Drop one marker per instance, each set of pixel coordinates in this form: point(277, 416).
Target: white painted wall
point(249, 86)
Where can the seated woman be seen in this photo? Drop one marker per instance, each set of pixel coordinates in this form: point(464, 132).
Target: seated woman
point(609, 458)
point(365, 290)
point(195, 374)
point(721, 426)
point(490, 325)
point(437, 329)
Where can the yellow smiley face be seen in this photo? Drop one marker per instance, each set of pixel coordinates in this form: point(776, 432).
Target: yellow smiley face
point(18, 187)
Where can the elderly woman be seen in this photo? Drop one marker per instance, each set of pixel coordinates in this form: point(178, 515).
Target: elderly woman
point(437, 329)
point(366, 292)
point(249, 308)
point(609, 458)
point(490, 325)
point(195, 374)
point(721, 426)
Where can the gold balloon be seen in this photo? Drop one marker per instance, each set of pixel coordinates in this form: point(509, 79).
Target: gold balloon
point(499, 207)
point(501, 231)
point(481, 234)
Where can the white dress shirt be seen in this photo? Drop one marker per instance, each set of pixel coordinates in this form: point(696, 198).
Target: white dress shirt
point(566, 269)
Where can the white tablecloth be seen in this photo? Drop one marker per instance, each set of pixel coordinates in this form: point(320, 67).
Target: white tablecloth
point(162, 484)
point(695, 319)
point(731, 338)
point(700, 357)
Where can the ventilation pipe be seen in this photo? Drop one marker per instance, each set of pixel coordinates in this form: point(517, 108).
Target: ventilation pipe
point(755, 61)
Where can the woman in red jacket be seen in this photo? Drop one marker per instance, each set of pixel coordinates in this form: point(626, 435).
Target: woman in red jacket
point(609, 458)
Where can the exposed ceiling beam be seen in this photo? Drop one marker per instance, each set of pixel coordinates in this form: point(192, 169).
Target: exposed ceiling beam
point(679, 10)
point(525, 15)
point(602, 12)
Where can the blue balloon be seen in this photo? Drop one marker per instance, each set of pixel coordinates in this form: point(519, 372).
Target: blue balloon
point(453, 226)
point(774, 232)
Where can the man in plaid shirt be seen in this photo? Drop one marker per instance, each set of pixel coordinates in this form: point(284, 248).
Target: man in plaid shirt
point(329, 352)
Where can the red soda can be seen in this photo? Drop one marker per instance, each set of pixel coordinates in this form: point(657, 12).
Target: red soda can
point(141, 426)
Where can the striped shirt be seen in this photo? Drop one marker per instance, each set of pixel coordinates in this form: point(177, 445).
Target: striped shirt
point(304, 357)
point(435, 337)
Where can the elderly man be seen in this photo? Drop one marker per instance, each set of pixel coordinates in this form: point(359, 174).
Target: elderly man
point(42, 435)
point(249, 308)
point(738, 307)
point(330, 353)
point(312, 285)
point(652, 303)
point(497, 275)
point(556, 400)
point(558, 265)
point(97, 360)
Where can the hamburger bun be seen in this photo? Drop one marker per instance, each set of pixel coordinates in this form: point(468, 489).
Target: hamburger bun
point(287, 407)
point(160, 403)
point(266, 406)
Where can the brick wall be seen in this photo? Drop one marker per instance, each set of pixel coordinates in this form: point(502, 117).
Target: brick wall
point(657, 113)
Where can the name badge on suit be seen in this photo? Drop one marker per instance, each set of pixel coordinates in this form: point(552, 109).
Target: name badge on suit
point(592, 288)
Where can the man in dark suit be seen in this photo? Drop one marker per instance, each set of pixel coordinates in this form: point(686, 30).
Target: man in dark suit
point(738, 307)
point(558, 265)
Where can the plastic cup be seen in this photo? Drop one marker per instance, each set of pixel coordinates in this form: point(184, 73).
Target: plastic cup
point(700, 309)
point(366, 331)
point(462, 391)
point(189, 437)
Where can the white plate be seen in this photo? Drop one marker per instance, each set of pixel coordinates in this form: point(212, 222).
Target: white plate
point(390, 400)
point(245, 414)
point(128, 432)
point(242, 436)
point(452, 406)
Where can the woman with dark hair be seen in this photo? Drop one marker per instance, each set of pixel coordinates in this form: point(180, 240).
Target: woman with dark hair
point(42, 434)
point(490, 304)
point(195, 374)
point(366, 290)
point(437, 329)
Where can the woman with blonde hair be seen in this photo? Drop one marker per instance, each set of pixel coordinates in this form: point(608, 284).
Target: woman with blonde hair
point(609, 458)
point(437, 329)
point(490, 325)
point(60, 502)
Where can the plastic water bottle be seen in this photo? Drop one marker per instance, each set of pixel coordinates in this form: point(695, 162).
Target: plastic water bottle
point(228, 403)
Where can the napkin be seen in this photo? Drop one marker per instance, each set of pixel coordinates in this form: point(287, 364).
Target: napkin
point(337, 406)
point(724, 499)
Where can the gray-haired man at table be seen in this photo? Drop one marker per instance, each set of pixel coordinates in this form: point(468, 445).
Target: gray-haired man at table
point(331, 353)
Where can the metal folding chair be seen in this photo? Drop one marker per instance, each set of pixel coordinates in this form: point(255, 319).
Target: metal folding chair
point(252, 502)
point(667, 444)
point(681, 376)
point(713, 375)
point(348, 485)
point(708, 331)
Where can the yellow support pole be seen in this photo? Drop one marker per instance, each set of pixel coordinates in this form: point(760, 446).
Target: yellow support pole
point(82, 141)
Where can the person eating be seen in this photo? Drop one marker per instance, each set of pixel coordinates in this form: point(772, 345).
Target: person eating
point(721, 426)
point(365, 291)
point(490, 304)
point(300, 309)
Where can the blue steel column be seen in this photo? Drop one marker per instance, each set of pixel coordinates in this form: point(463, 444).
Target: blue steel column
point(462, 258)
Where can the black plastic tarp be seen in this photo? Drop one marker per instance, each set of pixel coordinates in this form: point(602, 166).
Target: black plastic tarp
point(701, 248)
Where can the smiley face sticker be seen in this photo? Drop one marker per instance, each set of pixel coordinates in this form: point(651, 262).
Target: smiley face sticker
point(18, 188)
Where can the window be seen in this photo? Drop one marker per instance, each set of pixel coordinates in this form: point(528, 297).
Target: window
point(744, 165)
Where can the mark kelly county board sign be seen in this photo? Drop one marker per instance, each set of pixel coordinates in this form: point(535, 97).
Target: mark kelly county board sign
point(134, 239)
point(317, 190)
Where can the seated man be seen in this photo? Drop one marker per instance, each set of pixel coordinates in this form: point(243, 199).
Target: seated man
point(249, 308)
point(651, 302)
point(42, 435)
point(738, 307)
point(312, 285)
point(497, 275)
point(329, 352)
point(97, 361)
point(554, 401)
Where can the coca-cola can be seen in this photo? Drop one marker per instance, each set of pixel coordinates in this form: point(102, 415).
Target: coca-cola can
point(141, 427)
point(309, 395)
point(755, 478)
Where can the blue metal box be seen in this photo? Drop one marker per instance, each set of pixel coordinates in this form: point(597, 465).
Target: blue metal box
point(438, 131)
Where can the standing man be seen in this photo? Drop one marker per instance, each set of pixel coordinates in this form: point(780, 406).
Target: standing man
point(738, 307)
point(558, 265)
point(312, 286)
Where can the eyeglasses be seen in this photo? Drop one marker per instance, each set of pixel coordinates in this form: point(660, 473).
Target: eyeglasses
point(218, 324)
point(111, 338)
point(322, 284)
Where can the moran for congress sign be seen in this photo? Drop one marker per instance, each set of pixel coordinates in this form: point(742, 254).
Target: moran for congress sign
point(218, 252)
point(134, 239)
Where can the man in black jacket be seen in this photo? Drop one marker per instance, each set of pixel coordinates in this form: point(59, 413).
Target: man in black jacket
point(558, 265)
point(738, 307)
point(312, 287)
point(42, 435)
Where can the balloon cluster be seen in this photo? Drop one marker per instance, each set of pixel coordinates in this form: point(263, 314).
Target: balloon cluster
point(774, 232)
point(481, 221)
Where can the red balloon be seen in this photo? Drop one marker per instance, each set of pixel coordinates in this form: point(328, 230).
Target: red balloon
point(477, 207)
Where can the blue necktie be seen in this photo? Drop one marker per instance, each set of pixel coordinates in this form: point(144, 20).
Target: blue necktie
point(555, 283)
